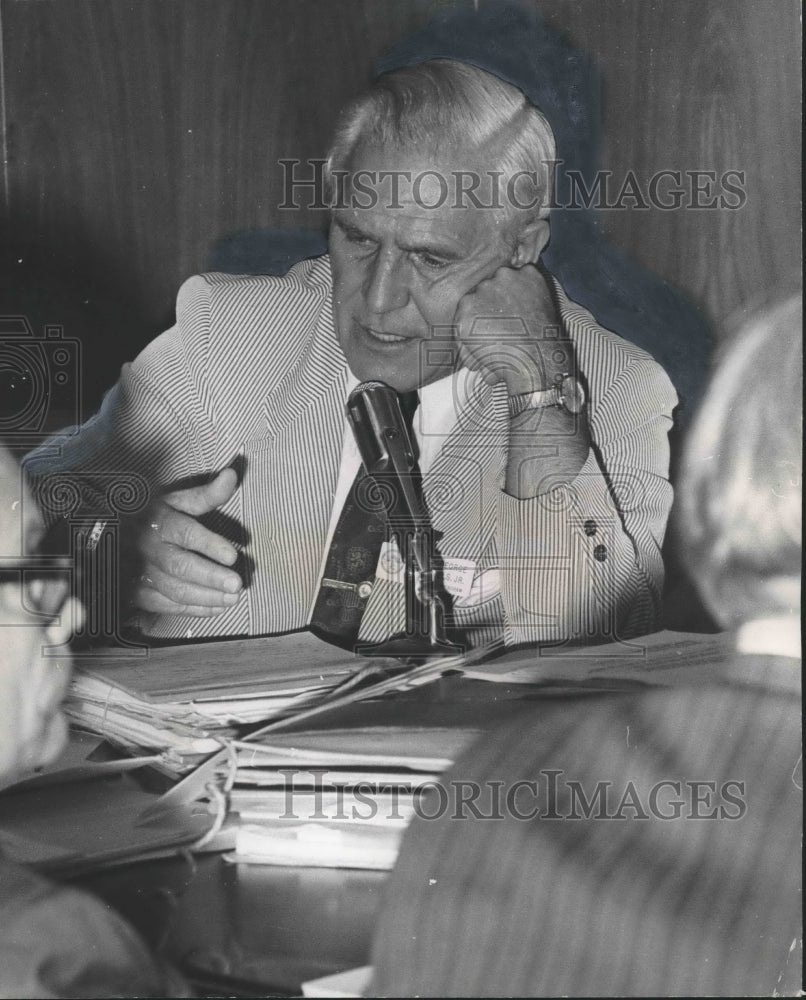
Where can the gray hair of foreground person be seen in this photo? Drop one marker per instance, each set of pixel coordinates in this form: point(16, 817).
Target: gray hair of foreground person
point(741, 505)
point(444, 106)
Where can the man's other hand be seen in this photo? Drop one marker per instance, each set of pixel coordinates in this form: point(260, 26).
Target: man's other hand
point(183, 565)
point(502, 325)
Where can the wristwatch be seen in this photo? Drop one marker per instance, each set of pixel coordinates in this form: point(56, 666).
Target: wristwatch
point(567, 394)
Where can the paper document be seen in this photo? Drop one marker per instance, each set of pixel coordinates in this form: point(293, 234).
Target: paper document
point(318, 846)
point(350, 983)
point(185, 701)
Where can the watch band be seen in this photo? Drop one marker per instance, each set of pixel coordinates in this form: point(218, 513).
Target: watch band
point(540, 399)
point(568, 395)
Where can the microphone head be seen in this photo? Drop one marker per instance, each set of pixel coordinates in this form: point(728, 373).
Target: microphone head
point(372, 385)
point(379, 427)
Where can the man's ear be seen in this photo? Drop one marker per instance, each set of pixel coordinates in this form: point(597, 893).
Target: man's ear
point(530, 242)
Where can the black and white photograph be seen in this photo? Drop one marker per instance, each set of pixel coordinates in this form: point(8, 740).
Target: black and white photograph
point(400, 498)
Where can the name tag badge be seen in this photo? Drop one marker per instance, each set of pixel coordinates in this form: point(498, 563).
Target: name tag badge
point(457, 575)
point(462, 581)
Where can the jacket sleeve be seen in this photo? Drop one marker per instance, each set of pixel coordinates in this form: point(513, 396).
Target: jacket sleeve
point(150, 433)
point(582, 562)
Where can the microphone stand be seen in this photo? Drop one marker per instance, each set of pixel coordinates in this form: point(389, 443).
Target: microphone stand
point(386, 450)
point(424, 635)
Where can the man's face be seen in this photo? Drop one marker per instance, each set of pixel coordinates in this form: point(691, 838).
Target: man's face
point(33, 616)
point(400, 268)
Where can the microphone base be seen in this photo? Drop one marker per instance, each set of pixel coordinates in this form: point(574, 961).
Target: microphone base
point(411, 645)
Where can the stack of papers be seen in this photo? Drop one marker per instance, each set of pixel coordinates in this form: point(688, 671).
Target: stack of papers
point(84, 812)
point(340, 798)
point(340, 793)
point(183, 702)
point(660, 659)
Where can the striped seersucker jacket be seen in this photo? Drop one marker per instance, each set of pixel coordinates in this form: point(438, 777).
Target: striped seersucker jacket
point(253, 368)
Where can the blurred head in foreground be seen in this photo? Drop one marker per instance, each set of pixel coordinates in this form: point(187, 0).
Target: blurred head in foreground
point(740, 490)
point(36, 615)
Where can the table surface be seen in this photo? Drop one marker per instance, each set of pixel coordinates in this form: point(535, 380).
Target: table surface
point(246, 930)
point(258, 930)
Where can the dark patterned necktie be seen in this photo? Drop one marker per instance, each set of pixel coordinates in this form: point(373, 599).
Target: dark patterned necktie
point(349, 573)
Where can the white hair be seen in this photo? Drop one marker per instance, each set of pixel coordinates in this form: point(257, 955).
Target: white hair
point(443, 105)
point(740, 490)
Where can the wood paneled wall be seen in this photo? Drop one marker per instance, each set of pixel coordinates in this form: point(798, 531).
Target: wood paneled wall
point(136, 134)
point(139, 133)
point(701, 85)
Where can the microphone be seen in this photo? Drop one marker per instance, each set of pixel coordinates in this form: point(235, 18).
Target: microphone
point(386, 450)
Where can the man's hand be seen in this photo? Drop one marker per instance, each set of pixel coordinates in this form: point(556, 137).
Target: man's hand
point(509, 331)
point(502, 329)
point(183, 564)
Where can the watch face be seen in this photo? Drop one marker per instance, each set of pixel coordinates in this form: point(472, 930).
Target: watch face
point(572, 394)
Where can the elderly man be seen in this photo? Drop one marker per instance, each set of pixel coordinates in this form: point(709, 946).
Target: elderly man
point(542, 438)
